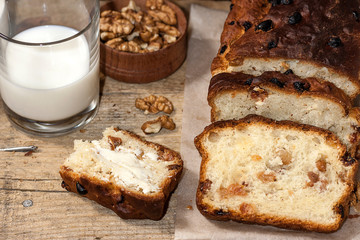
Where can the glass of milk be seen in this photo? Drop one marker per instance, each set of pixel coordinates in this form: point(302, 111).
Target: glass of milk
point(49, 64)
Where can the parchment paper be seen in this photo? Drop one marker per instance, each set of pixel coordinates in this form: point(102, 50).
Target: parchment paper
point(205, 28)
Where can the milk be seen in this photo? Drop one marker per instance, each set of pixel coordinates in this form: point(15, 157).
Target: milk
point(49, 83)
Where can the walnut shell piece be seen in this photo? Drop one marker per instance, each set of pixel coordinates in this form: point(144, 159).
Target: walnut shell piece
point(156, 125)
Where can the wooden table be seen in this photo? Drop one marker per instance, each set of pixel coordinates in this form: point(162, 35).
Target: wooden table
point(32, 203)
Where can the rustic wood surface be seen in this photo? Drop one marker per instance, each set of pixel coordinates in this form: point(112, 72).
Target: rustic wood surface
point(32, 203)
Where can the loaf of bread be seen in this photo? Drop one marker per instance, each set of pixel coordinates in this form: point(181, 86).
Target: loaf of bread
point(312, 38)
point(131, 176)
point(285, 97)
point(289, 175)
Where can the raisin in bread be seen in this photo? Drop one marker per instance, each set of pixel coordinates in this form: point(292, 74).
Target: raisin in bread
point(285, 97)
point(313, 38)
point(131, 176)
point(284, 174)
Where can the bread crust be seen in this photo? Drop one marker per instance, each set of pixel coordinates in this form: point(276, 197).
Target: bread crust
point(341, 207)
point(128, 203)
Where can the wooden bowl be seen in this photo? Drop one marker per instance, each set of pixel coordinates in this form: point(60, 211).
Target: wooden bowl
point(144, 67)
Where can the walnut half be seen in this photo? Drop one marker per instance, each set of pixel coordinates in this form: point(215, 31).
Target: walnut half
point(154, 104)
point(156, 125)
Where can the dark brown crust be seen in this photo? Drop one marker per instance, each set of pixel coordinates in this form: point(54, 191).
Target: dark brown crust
point(241, 12)
point(237, 82)
point(126, 203)
point(307, 40)
point(342, 206)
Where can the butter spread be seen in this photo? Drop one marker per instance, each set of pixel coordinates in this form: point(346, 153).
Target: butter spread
point(127, 169)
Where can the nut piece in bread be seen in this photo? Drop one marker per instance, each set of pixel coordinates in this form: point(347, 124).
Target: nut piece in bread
point(131, 176)
point(288, 175)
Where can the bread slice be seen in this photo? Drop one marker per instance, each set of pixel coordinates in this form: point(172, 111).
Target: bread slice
point(131, 176)
point(285, 97)
point(288, 175)
point(313, 38)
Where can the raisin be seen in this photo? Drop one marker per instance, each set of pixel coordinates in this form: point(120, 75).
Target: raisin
point(295, 18)
point(81, 190)
point(64, 185)
point(274, 2)
point(340, 210)
point(287, 2)
point(335, 42)
point(205, 186)
point(314, 178)
point(277, 82)
point(300, 86)
point(120, 200)
point(248, 82)
point(272, 44)
point(231, 6)
point(114, 142)
point(247, 25)
point(265, 26)
point(356, 15)
point(321, 165)
point(223, 49)
point(347, 160)
point(220, 212)
point(289, 71)
point(232, 23)
point(173, 167)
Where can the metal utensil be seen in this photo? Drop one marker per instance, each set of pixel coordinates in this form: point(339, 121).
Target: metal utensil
point(19, 149)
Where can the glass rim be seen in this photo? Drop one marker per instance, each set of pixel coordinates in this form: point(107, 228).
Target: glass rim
point(9, 39)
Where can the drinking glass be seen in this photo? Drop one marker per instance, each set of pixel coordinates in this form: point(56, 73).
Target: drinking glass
point(49, 64)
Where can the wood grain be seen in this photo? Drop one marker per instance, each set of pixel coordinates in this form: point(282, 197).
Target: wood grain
point(57, 214)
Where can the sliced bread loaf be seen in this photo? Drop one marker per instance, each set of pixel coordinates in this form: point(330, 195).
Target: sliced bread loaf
point(285, 97)
point(289, 175)
point(131, 176)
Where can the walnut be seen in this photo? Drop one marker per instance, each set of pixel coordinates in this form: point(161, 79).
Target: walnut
point(122, 27)
point(169, 30)
point(165, 15)
point(154, 4)
point(154, 104)
point(169, 39)
point(156, 125)
point(110, 14)
point(145, 35)
point(153, 46)
point(132, 16)
point(131, 6)
point(234, 189)
point(114, 43)
point(266, 177)
point(139, 31)
point(285, 156)
point(130, 46)
point(106, 36)
point(258, 93)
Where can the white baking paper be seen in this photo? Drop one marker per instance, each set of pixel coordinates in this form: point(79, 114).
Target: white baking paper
point(205, 28)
